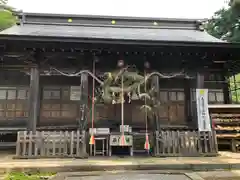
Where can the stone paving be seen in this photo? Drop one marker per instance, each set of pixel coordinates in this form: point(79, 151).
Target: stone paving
point(129, 176)
point(150, 175)
point(224, 161)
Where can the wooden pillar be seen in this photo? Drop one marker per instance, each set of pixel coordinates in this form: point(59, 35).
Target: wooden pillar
point(155, 83)
point(34, 99)
point(83, 102)
point(199, 85)
point(187, 100)
point(226, 90)
point(200, 80)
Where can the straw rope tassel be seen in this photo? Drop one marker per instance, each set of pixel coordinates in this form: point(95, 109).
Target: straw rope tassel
point(92, 139)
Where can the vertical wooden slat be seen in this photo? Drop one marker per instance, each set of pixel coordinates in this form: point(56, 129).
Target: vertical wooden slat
point(205, 142)
point(83, 142)
point(174, 139)
point(168, 141)
point(215, 141)
point(200, 148)
point(71, 143)
point(157, 143)
point(54, 144)
point(24, 143)
point(36, 143)
point(178, 143)
point(30, 140)
point(18, 144)
point(210, 140)
point(65, 146)
point(42, 138)
point(77, 148)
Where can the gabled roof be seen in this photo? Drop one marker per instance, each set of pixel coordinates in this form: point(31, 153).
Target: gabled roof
point(109, 28)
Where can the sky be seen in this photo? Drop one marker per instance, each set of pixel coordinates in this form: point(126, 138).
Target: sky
point(196, 9)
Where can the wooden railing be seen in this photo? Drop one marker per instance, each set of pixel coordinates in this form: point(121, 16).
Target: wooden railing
point(185, 143)
point(47, 144)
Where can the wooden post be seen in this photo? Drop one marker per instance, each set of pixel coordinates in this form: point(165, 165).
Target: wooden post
point(156, 118)
point(200, 80)
point(187, 100)
point(199, 85)
point(226, 90)
point(84, 101)
point(34, 99)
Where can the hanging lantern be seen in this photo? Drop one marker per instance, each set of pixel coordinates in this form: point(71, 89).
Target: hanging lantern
point(120, 63)
point(147, 65)
point(147, 144)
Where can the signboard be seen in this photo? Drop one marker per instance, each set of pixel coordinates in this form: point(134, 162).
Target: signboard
point(75, 93)
point(115, 140)
point(126, 128)
point(99, 131)
point(204, 122)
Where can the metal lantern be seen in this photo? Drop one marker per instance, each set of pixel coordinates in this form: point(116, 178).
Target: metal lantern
point(147, 65)
point(120, 63)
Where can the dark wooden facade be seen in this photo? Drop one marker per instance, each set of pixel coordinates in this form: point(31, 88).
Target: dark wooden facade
point(28, 50)
point(57, 110)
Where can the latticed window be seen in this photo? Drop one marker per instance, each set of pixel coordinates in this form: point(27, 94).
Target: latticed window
point(56, 103)
point(171, 109)
point(13, 102)
point(215, 96)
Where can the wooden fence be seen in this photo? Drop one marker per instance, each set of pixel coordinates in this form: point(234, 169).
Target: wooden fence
point(185, 143)
point(47, 144)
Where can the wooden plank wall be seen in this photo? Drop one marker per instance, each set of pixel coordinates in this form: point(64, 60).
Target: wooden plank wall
point(185, 143)
point(46, 144)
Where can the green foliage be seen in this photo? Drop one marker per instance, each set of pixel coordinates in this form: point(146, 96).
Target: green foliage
point(225, 24)
point(235, 88)
point(28, 176)
point(6, 17)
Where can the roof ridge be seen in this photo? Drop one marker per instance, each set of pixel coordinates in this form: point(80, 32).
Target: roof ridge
point(92, 20)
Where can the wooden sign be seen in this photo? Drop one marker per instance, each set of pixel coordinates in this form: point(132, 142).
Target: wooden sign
point(126, 128)
point(99, 131)
point(75, 93)
point(115, 140)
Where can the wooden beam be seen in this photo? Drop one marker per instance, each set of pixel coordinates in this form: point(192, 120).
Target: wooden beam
point(34, 99)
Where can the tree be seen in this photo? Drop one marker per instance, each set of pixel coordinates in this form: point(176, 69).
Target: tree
point(225, 25)
point(7, 19)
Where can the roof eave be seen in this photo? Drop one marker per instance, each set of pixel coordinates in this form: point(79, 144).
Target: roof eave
point(6, 37)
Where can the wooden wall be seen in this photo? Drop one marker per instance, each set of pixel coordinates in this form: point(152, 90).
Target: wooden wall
point(58, 109)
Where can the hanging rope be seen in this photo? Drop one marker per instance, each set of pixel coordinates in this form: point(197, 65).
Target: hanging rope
point(146, 144)
point(122, 140)
point(78, 74)
point(92, 139)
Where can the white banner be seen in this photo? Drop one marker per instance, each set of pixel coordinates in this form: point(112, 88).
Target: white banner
point(204, 122)
point(75, 93)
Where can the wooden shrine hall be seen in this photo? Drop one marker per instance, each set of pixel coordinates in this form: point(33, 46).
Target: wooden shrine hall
point(65, 78)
